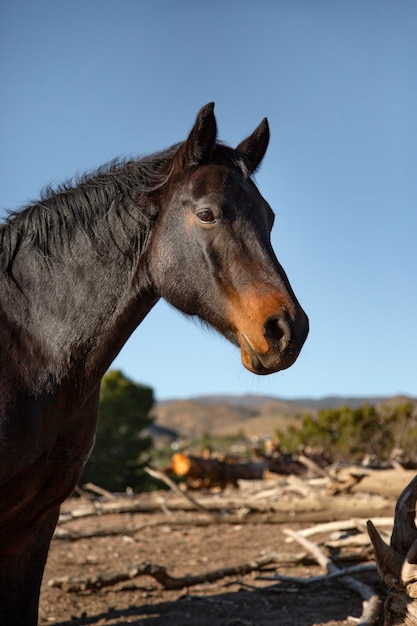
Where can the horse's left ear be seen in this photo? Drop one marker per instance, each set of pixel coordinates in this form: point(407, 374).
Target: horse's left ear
point(201, 140)
point(254, 147)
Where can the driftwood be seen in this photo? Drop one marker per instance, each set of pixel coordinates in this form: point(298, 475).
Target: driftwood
point(397, 563)
point(370, 598)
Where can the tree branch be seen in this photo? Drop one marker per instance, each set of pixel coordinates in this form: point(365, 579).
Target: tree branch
point(370, 599)
point(159, 573)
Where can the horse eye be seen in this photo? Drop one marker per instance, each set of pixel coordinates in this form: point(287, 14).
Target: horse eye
point(206, 216)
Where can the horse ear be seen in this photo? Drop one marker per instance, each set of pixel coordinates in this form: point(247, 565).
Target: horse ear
point(201, 140)
point(254, 147)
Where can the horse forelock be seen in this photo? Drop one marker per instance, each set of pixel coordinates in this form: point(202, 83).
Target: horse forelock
point(225, 155)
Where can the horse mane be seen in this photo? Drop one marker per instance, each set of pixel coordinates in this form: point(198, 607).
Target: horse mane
point(80, 203)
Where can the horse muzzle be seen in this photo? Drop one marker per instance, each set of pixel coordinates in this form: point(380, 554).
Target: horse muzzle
point(283, 339)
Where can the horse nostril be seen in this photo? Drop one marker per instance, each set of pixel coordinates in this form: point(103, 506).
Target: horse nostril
point(277, 331)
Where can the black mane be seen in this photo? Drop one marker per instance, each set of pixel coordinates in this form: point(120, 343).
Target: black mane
point(80, 203)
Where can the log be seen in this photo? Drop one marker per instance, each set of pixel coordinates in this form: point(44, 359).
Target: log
point(397, 562)
point(203, 472)
point(385, 482)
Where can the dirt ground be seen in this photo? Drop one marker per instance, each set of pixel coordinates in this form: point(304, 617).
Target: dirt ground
point(184, 548)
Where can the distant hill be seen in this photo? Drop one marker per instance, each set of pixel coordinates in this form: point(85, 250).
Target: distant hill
point(251, 415)
point(330, 402)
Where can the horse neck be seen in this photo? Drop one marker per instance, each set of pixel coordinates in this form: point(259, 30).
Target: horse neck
point(78, 307)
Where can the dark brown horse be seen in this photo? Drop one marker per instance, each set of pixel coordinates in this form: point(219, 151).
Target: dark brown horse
point(79, 270)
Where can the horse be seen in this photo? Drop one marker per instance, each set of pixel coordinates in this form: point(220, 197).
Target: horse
point(79, 271)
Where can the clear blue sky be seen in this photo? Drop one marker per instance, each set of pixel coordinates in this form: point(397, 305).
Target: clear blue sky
point(85, 81)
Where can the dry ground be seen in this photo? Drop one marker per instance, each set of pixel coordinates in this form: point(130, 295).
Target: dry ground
point(184, 549)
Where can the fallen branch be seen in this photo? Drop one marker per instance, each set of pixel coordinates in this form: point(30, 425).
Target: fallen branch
point(321, 578)
point(168, 582)
point(350, 524)
point(121, 505)
point(99, 491)
point(278, 506)
point(312, 465)
point(170, 483)
point(73, 535)
point(371, 602)
point(97, 581)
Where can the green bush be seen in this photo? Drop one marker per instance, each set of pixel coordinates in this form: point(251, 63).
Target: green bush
point(120, 451)
point(348, 434)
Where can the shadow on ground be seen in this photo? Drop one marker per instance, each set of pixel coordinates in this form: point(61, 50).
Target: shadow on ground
point(327, 605)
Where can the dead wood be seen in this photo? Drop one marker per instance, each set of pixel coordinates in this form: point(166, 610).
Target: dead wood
point(277, 497)
point(170, 483)
point(308, 462)
point(75, 509)
point(159, 573)
point(397, 562)
point(72, 535)
point(208, 472)
point(202, 471)
point(277, 504)
point(321, 578)
point(99, 491)
point(357, 540)
point(342, 525)
point(385, 482)
point(343, 479)
point(371, 602)
point(169, 582)
point(311, 465)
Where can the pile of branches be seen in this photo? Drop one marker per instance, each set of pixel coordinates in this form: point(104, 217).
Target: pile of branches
point(208, 471)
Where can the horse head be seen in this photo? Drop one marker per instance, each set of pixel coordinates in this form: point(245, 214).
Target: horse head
point(210, 253)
